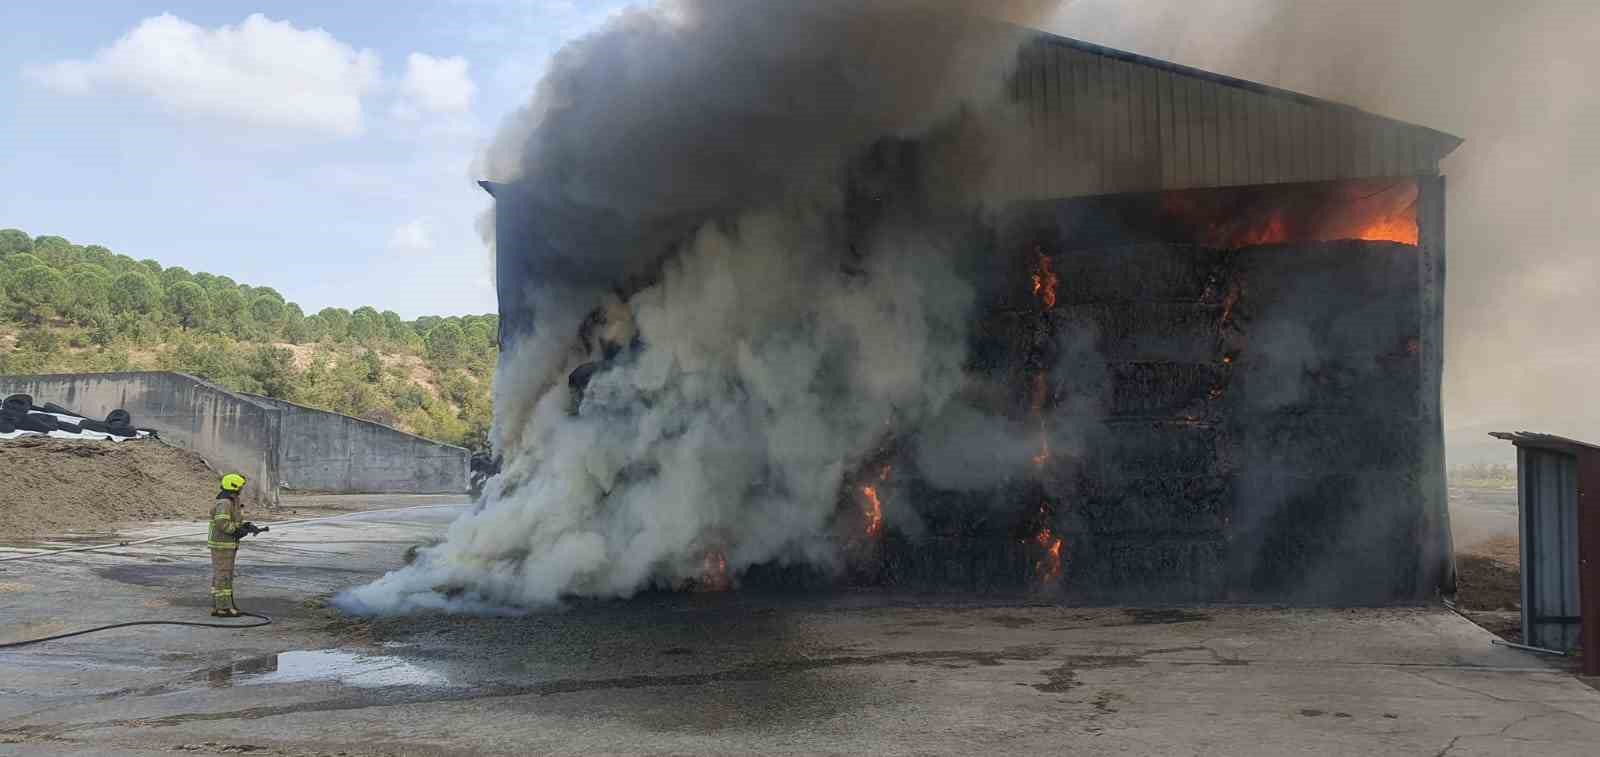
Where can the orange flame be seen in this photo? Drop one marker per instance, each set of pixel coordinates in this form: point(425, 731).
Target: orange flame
point(1048, 567)
point(874, 511)
point(1045, 282)
point(714, 572)
point(1372, 211)
point(872, 504)
point(1391, 229)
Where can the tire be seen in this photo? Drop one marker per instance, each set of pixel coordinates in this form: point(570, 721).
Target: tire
point(89, 424)
point(51, 407)
point(17, 405)
point(37, 422)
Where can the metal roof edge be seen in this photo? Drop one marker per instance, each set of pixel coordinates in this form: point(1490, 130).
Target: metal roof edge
point(1447, 142)
point(1549, 442)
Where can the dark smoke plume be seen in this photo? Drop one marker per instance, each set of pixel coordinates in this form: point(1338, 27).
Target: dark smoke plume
point(730, 382)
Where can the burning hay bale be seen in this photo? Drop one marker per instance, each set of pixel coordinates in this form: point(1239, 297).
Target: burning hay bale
point(822, 329)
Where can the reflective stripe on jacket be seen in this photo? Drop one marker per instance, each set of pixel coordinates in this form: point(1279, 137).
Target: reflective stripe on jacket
point(226, 518)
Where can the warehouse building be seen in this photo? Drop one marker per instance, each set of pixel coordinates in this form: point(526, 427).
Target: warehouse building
point(1257, 278)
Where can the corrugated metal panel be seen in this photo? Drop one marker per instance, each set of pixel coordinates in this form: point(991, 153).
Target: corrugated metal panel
point(1547, 484)
point(1117, 122)
point(1589, 555)
point(1558, 494)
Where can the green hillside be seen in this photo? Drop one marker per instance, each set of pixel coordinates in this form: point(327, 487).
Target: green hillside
point(69, 308)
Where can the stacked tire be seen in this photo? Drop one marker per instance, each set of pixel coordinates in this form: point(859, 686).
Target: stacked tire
point(18, 413)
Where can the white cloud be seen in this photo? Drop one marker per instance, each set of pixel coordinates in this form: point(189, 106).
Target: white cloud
point(436, 85)
point(260, 72)
point(413, 237)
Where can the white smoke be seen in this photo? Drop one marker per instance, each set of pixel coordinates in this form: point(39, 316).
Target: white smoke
point(765, 374)
point(773, 352)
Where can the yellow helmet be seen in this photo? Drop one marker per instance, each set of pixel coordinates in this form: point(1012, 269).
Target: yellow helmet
point(232, 482)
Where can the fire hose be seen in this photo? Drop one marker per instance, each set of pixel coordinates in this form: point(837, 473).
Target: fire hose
point(191, 534)
point(261, 620)
point(251, 529)
point(264, 621)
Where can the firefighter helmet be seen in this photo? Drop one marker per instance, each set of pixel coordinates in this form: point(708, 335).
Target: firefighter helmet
point(232, 482)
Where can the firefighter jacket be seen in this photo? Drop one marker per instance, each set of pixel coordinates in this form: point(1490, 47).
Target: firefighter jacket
point(227, 518)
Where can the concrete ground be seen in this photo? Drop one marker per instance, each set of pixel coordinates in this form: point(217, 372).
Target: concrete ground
point(734, 674)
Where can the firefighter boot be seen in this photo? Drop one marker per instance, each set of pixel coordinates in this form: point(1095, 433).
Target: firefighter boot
point(222, 583)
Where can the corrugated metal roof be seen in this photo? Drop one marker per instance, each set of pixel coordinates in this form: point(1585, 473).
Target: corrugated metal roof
point(1107, 121)
point(1546, 441)
point(1446, 142)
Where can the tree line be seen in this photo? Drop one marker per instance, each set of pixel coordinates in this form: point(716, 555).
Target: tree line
point(86, 308)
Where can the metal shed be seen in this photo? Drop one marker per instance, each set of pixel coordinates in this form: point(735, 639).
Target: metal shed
point(1207, 482)
point(1558, 498)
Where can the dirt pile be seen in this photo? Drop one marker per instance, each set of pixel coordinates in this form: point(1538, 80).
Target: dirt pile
point(1489, 585)
point(52, 486)
point(1483, 583)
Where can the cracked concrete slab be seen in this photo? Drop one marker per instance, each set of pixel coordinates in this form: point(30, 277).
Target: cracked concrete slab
point(854, 672)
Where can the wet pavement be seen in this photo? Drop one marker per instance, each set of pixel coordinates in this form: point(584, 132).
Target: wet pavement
point(729, 673)
point(355, 669)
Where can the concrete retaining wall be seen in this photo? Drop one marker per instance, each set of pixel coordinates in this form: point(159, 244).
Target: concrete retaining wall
point(265, 439)
point(322, 451)
point(230, 431)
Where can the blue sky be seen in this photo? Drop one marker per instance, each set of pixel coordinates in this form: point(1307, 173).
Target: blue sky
point(325, 150)
point(299, 145)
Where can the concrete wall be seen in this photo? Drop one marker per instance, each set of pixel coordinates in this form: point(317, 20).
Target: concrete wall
point(230, 431)
point(270, 441)
point(322, 451)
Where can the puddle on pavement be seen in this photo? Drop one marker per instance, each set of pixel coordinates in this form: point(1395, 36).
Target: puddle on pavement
point(347, 668)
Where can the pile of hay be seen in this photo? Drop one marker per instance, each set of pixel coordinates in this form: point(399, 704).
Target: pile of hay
point(54, 486)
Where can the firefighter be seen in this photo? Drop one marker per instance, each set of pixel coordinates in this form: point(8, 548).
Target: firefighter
point(228, 526)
